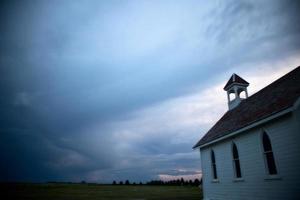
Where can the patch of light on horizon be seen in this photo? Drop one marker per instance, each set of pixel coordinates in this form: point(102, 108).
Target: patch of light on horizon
point(167, 177)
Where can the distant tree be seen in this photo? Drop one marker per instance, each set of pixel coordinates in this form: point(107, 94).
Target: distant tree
point(181, 181)
point(155, 182)
point(133, 183)
point(196, 182)
point(186, 182)
point(83, 182)
point(121, 183)
point(114, 183)
point(127, 182)
point(173, 182)
point(190, 182)
point(141, 183)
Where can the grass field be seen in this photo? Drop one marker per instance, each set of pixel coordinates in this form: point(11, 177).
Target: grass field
point(99, 192)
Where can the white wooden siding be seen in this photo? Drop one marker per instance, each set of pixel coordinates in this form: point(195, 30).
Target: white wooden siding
point(284, 134)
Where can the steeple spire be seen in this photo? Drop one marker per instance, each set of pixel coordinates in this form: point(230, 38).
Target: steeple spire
point(236, 85)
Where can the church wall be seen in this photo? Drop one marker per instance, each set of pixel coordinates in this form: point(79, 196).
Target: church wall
point(284, 134)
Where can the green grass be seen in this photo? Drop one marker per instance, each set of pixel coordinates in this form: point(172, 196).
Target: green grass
point(99, 192)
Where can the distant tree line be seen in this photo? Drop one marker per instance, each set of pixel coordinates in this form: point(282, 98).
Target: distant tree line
point(178, 182)
point(126, 183)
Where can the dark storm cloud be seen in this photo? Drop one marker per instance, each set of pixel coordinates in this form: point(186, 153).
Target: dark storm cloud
point(72, 74)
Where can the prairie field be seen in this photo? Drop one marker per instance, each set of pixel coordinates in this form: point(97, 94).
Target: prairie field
point(98, 192)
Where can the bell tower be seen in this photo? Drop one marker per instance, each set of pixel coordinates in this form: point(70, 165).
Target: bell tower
point(235, 87)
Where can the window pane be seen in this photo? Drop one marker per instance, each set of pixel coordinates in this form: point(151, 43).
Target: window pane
point(213, 157)
point(213, 164)
point(235, 152)
point(266, 143)
point(237, 168)
point(271, 163)
point(215, 171)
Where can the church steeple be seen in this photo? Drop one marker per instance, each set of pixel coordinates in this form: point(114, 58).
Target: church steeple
point(236, 85)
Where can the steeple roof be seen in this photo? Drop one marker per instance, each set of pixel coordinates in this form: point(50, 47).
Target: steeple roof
point(235, 79)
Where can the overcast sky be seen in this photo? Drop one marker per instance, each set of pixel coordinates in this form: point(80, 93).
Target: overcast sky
point(115, 90)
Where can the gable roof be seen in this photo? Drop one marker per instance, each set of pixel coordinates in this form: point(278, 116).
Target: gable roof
point(276, 97)
point(235, 79)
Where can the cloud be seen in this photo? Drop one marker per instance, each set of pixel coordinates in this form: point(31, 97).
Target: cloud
point(166, 132)
point(114, 90)
point(22, 99)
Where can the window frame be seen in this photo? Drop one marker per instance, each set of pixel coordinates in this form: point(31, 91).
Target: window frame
point(235, 177)
point(214, 171)
point(269, 176)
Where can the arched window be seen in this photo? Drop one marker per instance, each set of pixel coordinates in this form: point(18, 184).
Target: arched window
point(236, 161)
point(268, 154)
point(213, 165)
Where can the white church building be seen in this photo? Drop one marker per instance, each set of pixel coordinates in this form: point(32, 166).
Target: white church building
point(253, 151)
